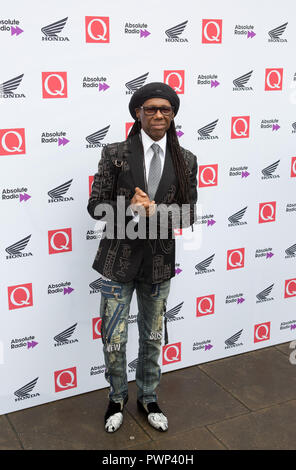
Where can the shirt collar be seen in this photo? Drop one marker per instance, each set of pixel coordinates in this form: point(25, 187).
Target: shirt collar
point(147, 142)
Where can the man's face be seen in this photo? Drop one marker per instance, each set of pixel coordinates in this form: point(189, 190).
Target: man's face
point(157, 125)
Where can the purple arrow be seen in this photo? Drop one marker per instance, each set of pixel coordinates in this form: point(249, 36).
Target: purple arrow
point(32, 344)
point(293, 326)
point(103, 86)
point(240, 300)
point(68, 290)
point(63, 141)
point(179, 133)
point(251, 34)
point(269, 254)
point(208, 346)
point(214, 83)
point(245, 174)
point(144, 33)
point(16, 30)
point(211, 222)
point(178, 271)
point(275, 127)
point(24, 197)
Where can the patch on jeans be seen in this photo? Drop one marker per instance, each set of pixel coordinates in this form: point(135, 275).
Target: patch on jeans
point(111, 291)
point(155, 335)
point(113, 347)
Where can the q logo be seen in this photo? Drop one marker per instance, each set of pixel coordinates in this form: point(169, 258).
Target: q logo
point(54, 85)
point(97, 29)
point(273, 79)
point(175, 79)
point(293, 167)
point(208, 175)
point(171, 353)
point(20, 296)
point(267, 212)
point(59, 241)
point(290, 288)
point(97, 323)
point(240, 127)
point(235, 258)
point(65, 379)
point(262, 332)
point(205, 305)
point(211, 31)
point(12, 142)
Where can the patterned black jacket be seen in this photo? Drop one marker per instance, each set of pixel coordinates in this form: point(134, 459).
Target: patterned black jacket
point(120, 170)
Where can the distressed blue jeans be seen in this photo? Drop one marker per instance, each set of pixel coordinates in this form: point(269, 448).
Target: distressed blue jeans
point(114, 311)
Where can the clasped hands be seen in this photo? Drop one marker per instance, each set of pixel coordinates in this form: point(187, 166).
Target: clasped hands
point(142, 204)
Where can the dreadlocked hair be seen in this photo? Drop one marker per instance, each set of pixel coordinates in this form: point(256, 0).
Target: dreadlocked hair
point(182, 196)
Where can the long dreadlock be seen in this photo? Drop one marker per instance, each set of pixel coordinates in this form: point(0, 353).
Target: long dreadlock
point(182, 196)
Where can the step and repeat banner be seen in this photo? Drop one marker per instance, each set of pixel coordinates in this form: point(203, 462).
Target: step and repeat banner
point(68, 73)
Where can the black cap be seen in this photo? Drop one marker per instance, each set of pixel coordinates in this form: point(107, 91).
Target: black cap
point(153, 90)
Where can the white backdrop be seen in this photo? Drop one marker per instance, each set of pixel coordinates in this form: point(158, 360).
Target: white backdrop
point(221, 303)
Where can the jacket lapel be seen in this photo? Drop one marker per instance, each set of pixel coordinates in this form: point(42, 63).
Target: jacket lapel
point(135, 159)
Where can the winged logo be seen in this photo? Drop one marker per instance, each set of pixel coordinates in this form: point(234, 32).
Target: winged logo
point(203, 265)
point(54, 29)
point(241, 81)
point(233, 339)
point(294, 126)
point(133, 364)
point(59, 191)
point(173, 312)
point(237, 216)
point(96, 285)
point(19, 246)
point(291, 251)
point(9, 86)
point(208, 129)
point(96, 137)
point(276, 32)
point(263, 294)
point(136, 83)
point(64, 335)
point(270, 169)
point(175, 31)
point(26, 389)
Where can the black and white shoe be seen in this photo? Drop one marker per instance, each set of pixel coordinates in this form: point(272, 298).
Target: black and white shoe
point(155, 416)
point(114, 416)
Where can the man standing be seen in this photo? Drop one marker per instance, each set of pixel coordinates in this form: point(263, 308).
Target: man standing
point(152, 173)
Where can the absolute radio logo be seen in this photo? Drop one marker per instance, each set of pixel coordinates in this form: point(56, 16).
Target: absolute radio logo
point(173, 34)
point(58, 194)
point(59, 241)
point(96, 328)
point(235, 219)
point(20, 296)
point(94, 140)
point(274, 79)
point(208, 79)
point(11, 25)
point(240, 83)
point(271, 124)
point(262, 332)
point(54, 85)
point(291, 207)
point(232, 341)
point(175, 79)
point(240, 127)
point(51, 31)
point(25, 342)
point(179, 131)
point(7, 88)
point(291, 251)
point(268, 172)
point(95, 82)
point(290, 288)
point(60, 288)
point(267, 212)
point(208, 175)
point(246, 30)
point(276, 33)
point(207, 219)
point(266, 253)
point(291, 325)
point(201, 267)
point(96, 370)
point(171, 353)
point(21, 194)
point(94, 234)
point(58, 137)
point(235, 258)
point(65, 379)
point(205, 305)
point(97, 29)
point(138, 29)
point(171, 315)
point(241, 171)
point(205, 345)
point(235, 298)
point(263, 296)
point(136, 83)
point(12, 142)
point(17, 249)
point(205, 131)
point(25, 391)
point(63, 338)
point(211, 31)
